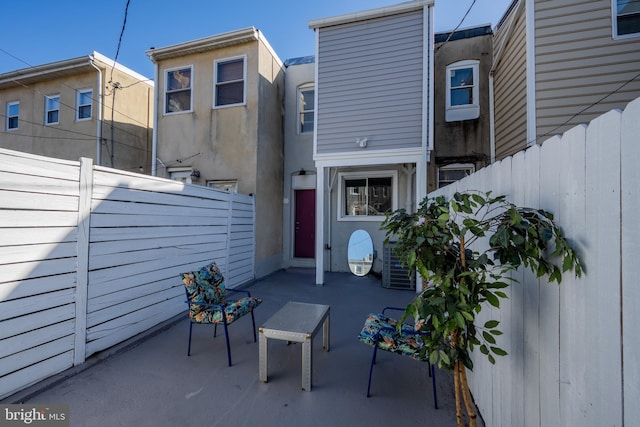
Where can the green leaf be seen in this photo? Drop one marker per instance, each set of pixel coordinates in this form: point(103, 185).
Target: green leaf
point(493, 300)
point(444, 357)
point(498, 351)
point(459, 319)
point(433, 357)
point(484, 349)
point(491, 324)
point(488, 337)
point(491, 359)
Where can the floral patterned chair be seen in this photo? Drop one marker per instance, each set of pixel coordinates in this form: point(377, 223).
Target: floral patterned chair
point(208, 302)
point(382, 333)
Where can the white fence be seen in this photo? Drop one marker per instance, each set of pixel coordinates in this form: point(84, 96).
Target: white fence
point(90, 256)
point(574, 348)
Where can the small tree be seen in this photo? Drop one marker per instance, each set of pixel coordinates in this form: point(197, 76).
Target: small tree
point(437, 241)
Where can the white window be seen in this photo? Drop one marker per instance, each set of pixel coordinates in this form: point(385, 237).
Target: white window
point(454, 172)
point(229, 77)
point(183, 174)
point(367, 196)
point(626, 17)
point(52, 110)
point(178, 83)
point(462, 91)
point(84, 100)
point(306, 109)
point(224, 184)
point(13, 111)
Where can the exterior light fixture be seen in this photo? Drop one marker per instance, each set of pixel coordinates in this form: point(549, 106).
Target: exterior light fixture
point(361, 142)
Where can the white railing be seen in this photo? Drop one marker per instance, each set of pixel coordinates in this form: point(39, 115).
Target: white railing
point(573, 348)
point(90, 256)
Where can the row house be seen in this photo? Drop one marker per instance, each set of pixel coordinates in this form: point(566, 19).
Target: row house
point(557, 64)
point(219, 104)
point(89, 107)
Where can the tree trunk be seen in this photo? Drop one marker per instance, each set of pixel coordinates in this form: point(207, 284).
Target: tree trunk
point(466, 394)
point(456, 383)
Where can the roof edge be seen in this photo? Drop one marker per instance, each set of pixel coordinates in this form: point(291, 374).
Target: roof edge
point(207, 43)
point(370, 14)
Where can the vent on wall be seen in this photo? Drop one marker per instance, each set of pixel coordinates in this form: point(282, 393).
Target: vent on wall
point(394, 274)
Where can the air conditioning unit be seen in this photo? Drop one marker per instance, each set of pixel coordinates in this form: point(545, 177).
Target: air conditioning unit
point(394, 274)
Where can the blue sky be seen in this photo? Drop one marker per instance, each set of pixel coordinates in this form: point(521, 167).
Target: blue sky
point(41, 31)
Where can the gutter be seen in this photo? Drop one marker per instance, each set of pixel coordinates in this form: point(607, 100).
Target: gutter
point(99, 119)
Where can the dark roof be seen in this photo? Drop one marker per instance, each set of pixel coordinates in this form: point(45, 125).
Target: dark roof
point(302, 60)
point(466, 33)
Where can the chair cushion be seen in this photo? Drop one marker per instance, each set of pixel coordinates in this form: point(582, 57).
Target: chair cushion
point(234, 309)
point(405, 342)
point(204, 285)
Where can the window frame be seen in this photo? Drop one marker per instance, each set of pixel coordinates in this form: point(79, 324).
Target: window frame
point(223, 184)
point(167, 91)
point(344, 176)
point(614, 23)
point(470, 111)
point(300, 108)
point(454, 166)
point(16, 117)
point(48, 98)
point(79, 93)
point(216, 84)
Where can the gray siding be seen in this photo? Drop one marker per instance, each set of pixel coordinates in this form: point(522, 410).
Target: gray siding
point(370, 84)
point(510, 90)
point(578, 63)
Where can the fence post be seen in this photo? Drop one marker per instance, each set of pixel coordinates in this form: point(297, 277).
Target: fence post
point(229, 224)
point(82, 271)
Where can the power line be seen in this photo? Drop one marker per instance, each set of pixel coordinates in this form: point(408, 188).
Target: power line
point(73, 88)
point(457, 26)
point(579, 113)
point(124, 24)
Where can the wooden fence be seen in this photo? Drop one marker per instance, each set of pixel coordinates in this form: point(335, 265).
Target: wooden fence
point(90, 256)
point(573, 349)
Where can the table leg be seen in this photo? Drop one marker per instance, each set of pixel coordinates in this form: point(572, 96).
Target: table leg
point(307, 347)
point(262, 356)
point(325, 334)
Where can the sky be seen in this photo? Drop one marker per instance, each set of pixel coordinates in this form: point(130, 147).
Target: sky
point(38, 32)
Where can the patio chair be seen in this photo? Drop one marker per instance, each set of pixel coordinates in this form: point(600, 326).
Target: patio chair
point(382, 333)
point(208, 302)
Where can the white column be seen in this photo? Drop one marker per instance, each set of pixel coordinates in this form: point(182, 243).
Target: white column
point(320, 226)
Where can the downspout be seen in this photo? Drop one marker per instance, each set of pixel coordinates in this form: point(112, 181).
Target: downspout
point(532, 127)
point(154, 138)
point(492, 130)
point(99, 119)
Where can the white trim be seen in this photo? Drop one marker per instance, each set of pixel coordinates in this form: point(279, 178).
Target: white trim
point(614, 24)
point(343, 176)
point(320, 237)
point(454, 166)
point(79, 92)
point(166, 85)
point(304, 88)
point(374, 157)
point(47, 98)
point(467, 111)
point(531, 72)
point(244, 80)
point(111, 63)
point(370, 14)
point(9, 116)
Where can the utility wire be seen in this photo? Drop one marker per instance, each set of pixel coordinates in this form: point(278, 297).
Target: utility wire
point(581, 112)
point(456, 28)
point(73, 88)
point(124, 24)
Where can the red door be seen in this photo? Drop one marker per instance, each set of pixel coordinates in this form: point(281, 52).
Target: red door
point(305, 224)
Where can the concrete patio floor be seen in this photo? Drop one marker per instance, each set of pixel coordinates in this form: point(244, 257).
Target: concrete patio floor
point(150, 381)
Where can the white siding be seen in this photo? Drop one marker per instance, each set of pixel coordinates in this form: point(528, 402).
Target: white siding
point(573, 347)
point(370, 84)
